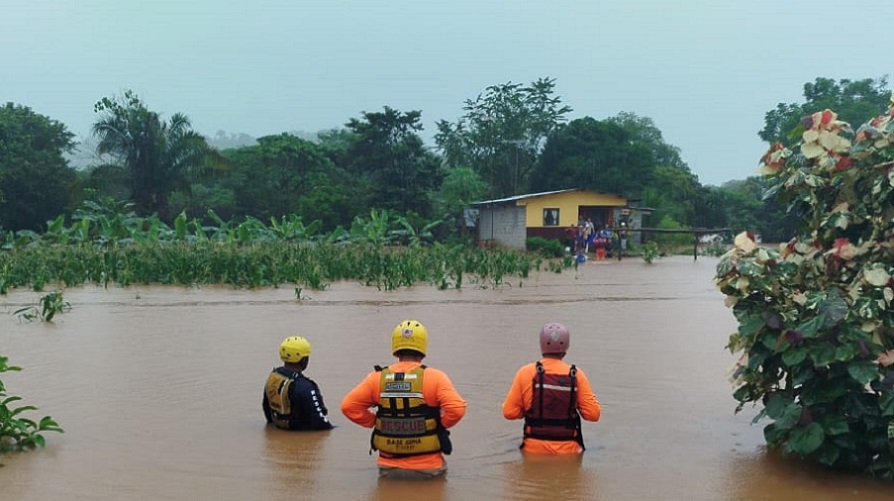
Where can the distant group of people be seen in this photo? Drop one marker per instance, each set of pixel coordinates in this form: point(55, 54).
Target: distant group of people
point(411, 406)
point(601, 239)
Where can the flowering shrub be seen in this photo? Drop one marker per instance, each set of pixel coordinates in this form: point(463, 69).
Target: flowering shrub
point(816, 323)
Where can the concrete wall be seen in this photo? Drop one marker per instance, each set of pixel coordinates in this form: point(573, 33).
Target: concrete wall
point(504, 225)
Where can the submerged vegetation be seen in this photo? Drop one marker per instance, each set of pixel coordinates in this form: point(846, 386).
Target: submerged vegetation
point(108, 243)
point(19, 433)
point(50, 305)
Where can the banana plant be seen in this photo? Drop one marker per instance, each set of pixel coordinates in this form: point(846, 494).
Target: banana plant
point(376, 231)
point(224, 231)
point(292, 228)
point(413, 237)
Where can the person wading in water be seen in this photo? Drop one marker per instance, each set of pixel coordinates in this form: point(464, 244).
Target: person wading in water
point(293, 401)
point(552, 397)
point(415, 405)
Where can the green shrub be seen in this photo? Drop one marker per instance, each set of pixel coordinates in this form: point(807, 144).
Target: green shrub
point(547, 247)
point(816, 323)
point(672, 243)
point(649, 251)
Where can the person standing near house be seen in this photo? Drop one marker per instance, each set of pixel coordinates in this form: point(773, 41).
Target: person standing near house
point(415, 405)
point(591, 229)
point(584, 233)
point(571, 238)
point(601, 243)
point(622, 238)
point(552, 397)
point(607, 235)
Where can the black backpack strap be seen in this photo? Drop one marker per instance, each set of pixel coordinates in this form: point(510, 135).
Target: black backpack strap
point(572, 402)
point(573, 411)
point(540, 373)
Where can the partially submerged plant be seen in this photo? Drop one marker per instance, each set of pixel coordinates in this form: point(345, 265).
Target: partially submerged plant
point(816, 323)
point(386, 251)
point(18, 433)
point(50, 305)
point(649, 251)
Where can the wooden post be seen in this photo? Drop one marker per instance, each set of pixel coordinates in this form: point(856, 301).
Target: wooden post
point(695, 246)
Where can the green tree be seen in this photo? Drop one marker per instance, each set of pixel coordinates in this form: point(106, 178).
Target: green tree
point(158, 157)
point(855, 101)
point(502, 133)
point(335, 144)
point(680, 191)
point(35, 178)
point(460, 188)
point(284, 175)
point(750, 209)
point(387, 155)
point(711, 208)
point(597, 155)
point(214, 194)
point(643, 130)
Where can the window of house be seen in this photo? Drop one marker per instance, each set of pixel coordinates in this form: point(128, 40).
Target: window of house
point(550, 217)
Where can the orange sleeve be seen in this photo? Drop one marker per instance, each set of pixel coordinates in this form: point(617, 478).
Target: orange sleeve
point(586, 399)
point(358, 403)
point(519, 393)
point(438, 391)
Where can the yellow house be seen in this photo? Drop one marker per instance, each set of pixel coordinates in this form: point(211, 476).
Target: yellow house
point(510, 221)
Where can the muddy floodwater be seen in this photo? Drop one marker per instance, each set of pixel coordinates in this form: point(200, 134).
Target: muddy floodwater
point(159, 391)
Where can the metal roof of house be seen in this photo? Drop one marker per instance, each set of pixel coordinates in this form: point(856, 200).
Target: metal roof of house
point(521, 197)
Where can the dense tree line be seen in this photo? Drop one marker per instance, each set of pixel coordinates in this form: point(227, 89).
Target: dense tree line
point(511, 139)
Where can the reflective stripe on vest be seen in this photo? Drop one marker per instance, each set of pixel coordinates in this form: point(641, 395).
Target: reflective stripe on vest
point(405, 425)
point(277, 389)
point(553, 414)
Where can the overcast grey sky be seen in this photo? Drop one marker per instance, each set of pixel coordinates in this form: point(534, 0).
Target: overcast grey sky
point(705, 71)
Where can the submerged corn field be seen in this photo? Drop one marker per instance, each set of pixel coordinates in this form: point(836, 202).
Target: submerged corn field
point(257, 265)
point(115, 247)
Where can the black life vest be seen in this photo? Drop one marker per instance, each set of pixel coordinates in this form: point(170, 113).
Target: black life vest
point(553, 414)
point(405, 424)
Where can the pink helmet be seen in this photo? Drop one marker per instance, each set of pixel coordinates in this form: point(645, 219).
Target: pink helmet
point(554, 338)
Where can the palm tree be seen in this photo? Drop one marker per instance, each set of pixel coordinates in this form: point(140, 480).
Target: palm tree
point(158, 157)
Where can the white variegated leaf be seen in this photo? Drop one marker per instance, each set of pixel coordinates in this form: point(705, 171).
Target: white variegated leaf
point(876, 277)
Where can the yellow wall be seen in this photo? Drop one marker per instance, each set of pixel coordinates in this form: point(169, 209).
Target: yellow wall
point(568, 204)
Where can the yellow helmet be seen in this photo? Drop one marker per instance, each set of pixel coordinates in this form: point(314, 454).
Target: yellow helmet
point(409, 335)
point(293, 349)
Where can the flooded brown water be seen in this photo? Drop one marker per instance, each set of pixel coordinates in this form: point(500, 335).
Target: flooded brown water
point(159, 391)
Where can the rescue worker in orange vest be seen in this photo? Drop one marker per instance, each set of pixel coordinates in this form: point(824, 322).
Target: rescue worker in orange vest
point(292, 401)
point(414, 406)
point(552, 397)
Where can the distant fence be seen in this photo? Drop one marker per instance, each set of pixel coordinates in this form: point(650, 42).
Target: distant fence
point(695, 232)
